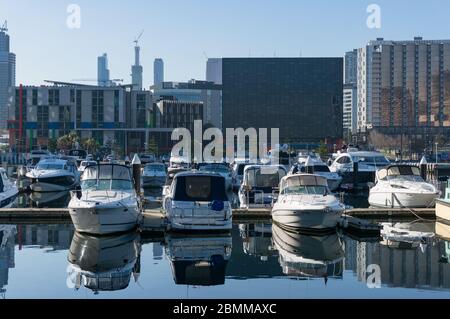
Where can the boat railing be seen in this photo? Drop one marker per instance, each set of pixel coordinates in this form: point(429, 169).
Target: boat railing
point(106, 194)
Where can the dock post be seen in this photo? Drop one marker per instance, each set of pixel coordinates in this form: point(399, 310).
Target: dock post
point(423, 168)
point(355, 174)
point(136, 165)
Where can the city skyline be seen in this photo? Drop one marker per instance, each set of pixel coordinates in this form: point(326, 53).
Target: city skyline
point(198, 29)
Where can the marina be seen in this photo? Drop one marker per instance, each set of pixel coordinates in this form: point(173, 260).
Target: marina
point(249, 258)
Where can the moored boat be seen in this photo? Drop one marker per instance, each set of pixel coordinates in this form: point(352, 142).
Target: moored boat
point(107, 202)
point(305, 202)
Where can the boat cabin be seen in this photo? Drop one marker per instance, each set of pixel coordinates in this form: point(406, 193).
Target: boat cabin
point(107, 177)
point(399, 171)
point(304, 184)
point(199, 187)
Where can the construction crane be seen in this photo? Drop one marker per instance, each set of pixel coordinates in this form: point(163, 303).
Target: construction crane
point(4, 27)
point(136, 40)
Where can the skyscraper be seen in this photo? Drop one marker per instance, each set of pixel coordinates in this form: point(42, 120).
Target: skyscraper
point(350, 91)
point(102, 70)
point(136, 70)
point(404, 87)
point(158, 72)
point(351, 67)
point(214, 70)
point(7, 76)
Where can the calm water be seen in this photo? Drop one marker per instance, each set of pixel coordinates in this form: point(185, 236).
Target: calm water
point(257, 260)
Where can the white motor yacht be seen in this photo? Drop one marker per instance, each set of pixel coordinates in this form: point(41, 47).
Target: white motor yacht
point(319, 168)
point(306, 202)
point(198, 201)
point(399, 186)
point(104, 263)
point(85, 164)
point(54, 175)
point(199, 259)
point(154, 175)
point(260, 184)
point(368, 164)
point(107, 202)
point(308, 256)
point(237, 172)
point(8, 190)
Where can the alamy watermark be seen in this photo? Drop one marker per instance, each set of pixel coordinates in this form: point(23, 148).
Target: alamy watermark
point(251, 144)
point(73, 20)
point(374, 19)
point(373, 279)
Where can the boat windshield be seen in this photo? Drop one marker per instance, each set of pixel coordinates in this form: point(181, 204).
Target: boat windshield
point(219, 168)
point(306, 184)
point(407, 173)
point(107, 177)
point(50, 166)
point(371, 160)
point(155, 167)
point(317, 168)
point(200, 188)
point(264, 177)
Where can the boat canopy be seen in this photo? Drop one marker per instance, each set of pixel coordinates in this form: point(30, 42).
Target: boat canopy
point(398, 170)
point(193, 188)
point(107, 171)
point(262, 176)
point(303, 180)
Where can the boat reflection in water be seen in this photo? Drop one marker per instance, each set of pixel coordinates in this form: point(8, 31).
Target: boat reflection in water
point(199, 259)
point(257, 240)
point(408, 235)
point(104, 263)
point(51, 200)
point(307, 257)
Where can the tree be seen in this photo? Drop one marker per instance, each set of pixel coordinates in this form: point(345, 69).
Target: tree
point(322, 150)
point(152, 146)
point(91, 145)
point(66, 142)
point(52, 144)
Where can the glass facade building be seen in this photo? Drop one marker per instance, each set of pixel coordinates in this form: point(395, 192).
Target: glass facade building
point(300, 96)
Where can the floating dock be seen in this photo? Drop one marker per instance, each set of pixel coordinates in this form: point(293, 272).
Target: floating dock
point(358, 220)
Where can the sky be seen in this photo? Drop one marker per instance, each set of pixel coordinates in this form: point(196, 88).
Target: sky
point(185, 32)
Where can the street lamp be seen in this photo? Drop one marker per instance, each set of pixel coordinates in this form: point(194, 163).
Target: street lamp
point(436, 154)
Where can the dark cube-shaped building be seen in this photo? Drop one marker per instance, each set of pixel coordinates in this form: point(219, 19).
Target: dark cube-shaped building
point(300, 96)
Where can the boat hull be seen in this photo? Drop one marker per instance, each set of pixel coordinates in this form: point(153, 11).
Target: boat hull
point(104, 220)
point(443, 211)
point(409, 200)
point(43, 187)
point(153, 181)
point(311, 219)
point(8, 197)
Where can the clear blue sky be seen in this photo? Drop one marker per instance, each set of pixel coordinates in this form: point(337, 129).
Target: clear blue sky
point(182, 32)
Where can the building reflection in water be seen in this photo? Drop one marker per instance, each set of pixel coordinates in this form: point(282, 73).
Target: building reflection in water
point(104, 263)
point(309, 256)
point(421, 264)
point(198, 259)
point(7, 242)
point(48, 237)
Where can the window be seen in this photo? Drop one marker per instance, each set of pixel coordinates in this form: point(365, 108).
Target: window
point(53, 97)
point(200, 188)
point(35, 97)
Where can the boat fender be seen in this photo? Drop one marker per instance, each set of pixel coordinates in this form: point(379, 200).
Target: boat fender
point(217, 205)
